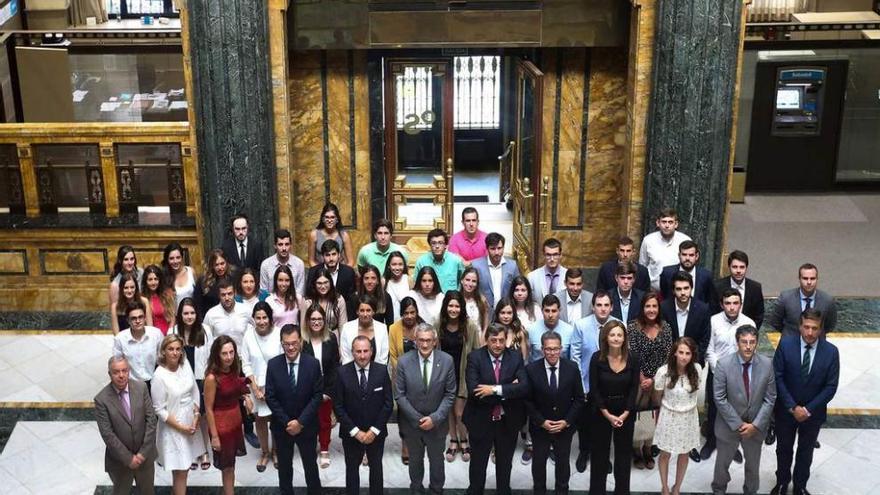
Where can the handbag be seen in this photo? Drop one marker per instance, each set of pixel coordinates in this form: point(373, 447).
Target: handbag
point(646, 418)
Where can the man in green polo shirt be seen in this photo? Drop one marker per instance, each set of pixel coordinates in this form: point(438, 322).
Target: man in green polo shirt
point(376, 253)
point(449, 266)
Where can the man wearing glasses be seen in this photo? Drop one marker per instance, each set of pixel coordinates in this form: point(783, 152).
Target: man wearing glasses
point(448, 266)
point(139, 344)
point(549, 278)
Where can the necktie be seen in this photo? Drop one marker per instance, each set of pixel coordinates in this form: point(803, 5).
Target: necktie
point(496, 411)
point(241, 251)
point(746, 379)
point(125, 405)
point(291, 367)
point(425, 373)
point(553, 384)
point(363, 382)
point(552, 284)
point(808, 303)
point(805, 364)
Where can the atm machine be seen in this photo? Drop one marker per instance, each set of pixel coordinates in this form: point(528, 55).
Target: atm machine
point(796, 118)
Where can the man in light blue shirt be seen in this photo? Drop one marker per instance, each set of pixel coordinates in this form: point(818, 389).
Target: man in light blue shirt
point(584, 342)
point(448, 266)
point(551, 321)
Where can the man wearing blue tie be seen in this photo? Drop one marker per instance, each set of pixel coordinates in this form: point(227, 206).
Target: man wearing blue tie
point(807, 369)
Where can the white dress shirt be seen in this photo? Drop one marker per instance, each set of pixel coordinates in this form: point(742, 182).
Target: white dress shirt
point(624, 305)
point(681, 316)
point(657, 252)
point(740, 287)
point(722, 343)
point(140, 353)
point(573, 307)
point(232, 323)
point(495, 274)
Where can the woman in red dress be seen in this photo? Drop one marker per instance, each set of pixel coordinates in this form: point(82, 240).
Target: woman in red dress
point(224, 388)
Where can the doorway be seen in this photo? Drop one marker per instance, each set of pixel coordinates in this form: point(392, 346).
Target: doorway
point(452, 126)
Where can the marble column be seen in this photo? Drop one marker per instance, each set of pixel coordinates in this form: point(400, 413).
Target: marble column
point(232, 107)
point(691, 115)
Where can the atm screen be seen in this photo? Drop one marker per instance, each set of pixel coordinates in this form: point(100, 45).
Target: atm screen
point(788, 99)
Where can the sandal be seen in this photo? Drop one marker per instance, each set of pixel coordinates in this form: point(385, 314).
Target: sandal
point(261, 464)
point(404, 455)
point(325, 460)
point(205, 462)
point(451, 451)
point(465, 450)
point(193, 466)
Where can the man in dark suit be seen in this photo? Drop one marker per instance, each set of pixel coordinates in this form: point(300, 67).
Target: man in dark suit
point(791, 303)
point(807, 370)
point(494, 412)
point(426, 388)
point(752, 295)
point(294, 390)
point(496, 270)
point(243, 243)
point(555, 399)
point(363, 404)
point(127, 423)
point(626, 253)
point(703, 287)
point(683, 310)
point(626, 301)
point(343, 275)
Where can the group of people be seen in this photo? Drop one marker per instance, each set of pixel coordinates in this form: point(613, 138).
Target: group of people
point(475, 356)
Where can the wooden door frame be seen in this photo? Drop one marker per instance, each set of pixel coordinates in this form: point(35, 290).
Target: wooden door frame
point(528, 70)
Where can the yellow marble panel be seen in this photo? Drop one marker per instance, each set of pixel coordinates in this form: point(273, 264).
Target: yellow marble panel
point(339, 127)
point(571, 119)
point(13, 262)
point(360, 232)
point(86, 262)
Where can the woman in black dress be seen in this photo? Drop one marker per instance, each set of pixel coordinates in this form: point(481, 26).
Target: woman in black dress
point(614, 384)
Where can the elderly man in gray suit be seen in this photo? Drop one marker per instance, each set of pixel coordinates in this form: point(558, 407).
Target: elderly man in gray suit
point(426, 387)
point(786, 316)
point(127, 423)
point(744, 391)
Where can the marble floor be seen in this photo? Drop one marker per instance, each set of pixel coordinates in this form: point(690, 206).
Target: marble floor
point(53, 446)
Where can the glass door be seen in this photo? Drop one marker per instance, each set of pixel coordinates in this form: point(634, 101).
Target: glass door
point(526, 164)
point(419, 144)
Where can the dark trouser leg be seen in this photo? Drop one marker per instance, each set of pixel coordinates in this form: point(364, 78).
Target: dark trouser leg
point(808, 432)
point(121, 480)
point(600, 441)
point(481, 447)
point(623, 440)
point(711, 410)
point(354, 453)
point(308, 446)
point(540, 451)
point(374, 459)
point(144, 478)
point(505, 445)
point(562, 447)
point(416, 447)
point(435, 445)
point(583, 428)
point(284, 449)
point(786, 431)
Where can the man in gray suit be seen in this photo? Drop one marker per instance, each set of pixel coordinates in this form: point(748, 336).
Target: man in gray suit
point(127, 423)
point(496, 270)
point(575, 302)
point(426, 387)
point(786, 316)
point(548, 279)
point(745, 391)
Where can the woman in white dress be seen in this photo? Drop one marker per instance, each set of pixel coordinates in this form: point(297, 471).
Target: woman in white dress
point(176, 401)
point(396, 281)
point(475, 302)
point(180, 276)
point(261, 342)
point(427, 295)
point(678, 427)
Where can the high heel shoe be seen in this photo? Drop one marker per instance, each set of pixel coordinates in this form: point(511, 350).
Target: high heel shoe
point(264, 460)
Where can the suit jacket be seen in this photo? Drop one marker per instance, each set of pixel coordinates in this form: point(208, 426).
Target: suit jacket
point(414, 401)
point(345, 280)
point(605, 279)
point(536, 280)
point(786, 316)
point(635, 303)
point(752, 306)
point(363, 410)
point(817, 391)
point(300, 403)
point(329, 361)
point(480, 371)
point(586, 304)
point(123, 437)
point(254, 256)
point(697, 327)
point(509, 271)
point(563, 403)
point(704, 285)
point(734, 408)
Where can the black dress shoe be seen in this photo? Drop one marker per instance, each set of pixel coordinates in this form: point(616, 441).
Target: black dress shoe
point(738, 457)
point(817, 446)
point(771, 436)
point(655, 451)
point(694, 454)
point(706, 451)
point(779, 490)
point(252, 440)
point(800, 491)
point(581, 463)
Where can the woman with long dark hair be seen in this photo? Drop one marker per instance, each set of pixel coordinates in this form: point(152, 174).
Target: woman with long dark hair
point(396, 279)
point(162, 304)
point(427, 295)
point(367, 326)
point(330, 228)
point(678, 427)
point(475, 302)
point(371, 285)
point(178, 276)
point(322, 291)
point(247, 289)
point(520, 293)
point(129, 292)
point(284, 300)
point(126, 262)
point(322, 344)
point(207, 289)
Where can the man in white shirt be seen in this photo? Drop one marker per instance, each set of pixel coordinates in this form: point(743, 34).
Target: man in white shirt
point(138, 344)
point(496, 270)
point(660, 248)
point(722, 343)
point(549, 278)
point(282, 256)
point(575, 300)
point(550, 322)
point(228, 318)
